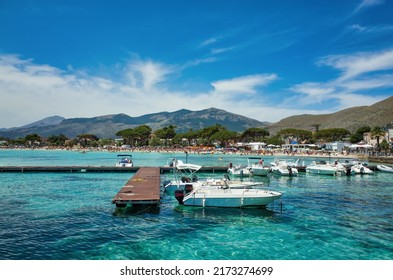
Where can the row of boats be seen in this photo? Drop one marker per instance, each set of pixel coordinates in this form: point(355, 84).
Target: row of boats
point(290, 168)
point(189, 190)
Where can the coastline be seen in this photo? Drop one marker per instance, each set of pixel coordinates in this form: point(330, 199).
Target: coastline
point(206, 151)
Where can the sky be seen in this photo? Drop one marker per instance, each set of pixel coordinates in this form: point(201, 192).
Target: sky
point(265, 60)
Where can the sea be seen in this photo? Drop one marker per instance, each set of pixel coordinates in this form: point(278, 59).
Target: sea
point(70, 216)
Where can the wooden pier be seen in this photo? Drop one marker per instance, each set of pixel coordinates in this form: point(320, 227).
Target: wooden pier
point(71, 169)
point(142, 189)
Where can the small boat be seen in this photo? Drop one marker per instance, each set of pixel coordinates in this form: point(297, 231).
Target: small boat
point(384, 168)
point(125, 161)
point(360, 168)
point(239, 170)
point(324, 168)
point(184, 174)
point(258, 168)
point(224, 196)
point(282, 168)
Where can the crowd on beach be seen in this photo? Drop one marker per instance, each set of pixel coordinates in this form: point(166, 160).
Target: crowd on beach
point(204, 151)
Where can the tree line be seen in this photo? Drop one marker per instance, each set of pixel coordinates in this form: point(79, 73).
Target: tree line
point(217, 134)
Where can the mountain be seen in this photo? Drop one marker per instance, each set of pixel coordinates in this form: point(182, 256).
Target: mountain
point(378, 114)
point(107, 126)
point(45, 122)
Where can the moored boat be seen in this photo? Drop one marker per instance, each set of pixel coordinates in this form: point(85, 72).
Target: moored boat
point(325, 168)
point(384, 168)
point(360, 168)
point(282, 168)
point(225, 196)
point(125, 161)
point(258, 168)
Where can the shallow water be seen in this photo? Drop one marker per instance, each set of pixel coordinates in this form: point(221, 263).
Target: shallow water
point(64, 216)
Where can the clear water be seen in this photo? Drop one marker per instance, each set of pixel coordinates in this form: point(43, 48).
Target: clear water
point(61, 216)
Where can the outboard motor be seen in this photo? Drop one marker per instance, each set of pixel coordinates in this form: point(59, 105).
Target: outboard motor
point(179, 195)
point(290, 170)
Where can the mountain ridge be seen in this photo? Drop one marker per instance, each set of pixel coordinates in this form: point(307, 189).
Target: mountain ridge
point(107, 126)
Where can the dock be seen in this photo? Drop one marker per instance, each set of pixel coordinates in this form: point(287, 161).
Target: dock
point(79, 169)
point(142, 189)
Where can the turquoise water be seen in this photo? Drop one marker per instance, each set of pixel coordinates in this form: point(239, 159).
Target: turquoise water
point(63, 216)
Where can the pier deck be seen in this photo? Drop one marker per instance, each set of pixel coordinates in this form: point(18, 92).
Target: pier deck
point(97, 169)
point(142, 189)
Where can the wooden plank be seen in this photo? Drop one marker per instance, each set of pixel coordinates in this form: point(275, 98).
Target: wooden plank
point(142, 188)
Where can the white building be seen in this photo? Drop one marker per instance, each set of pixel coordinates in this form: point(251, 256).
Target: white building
point(256, 146)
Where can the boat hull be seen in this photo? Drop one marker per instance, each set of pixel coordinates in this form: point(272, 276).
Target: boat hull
point(384, 168)
point(322, 171)
point(260, 171)
point(245, 198)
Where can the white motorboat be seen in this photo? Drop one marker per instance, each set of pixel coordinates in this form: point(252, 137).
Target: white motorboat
point(282, 168)
point(360, 168)
point(239, 170)
point(125, 161)
point(184, 174)
point(221, 195)
point(325, 168)
point(258, 168)
point(385, 168)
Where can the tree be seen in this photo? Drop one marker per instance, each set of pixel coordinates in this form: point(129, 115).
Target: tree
point(358, 135)
point(254, 134)
point(331, 134)
point(143, 133)
point(316, 126)
point(166, 133)
point(31, 139)
point(128, 135)
point(377, 132)
point(85, 138)
point(57, 140)
point(299, 134)
point(224, 136)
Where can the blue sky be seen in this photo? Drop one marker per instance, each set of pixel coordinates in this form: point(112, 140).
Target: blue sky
point(266, 60)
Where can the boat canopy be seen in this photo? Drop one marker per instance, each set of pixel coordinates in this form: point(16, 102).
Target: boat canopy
point(124, 155)
point(188, 166)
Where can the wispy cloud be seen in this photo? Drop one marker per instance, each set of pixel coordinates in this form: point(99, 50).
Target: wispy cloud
point(210, 41)
point(357, 64)
point(32, 91)
point(243, 85)
point(371, 29)
point(358, 73)
point(221, 50)
point(147, 74)
point(368, 3)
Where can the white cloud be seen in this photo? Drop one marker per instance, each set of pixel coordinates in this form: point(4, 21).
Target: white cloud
point(148, 73)
point(360, 72)
point(30, 91)
point(243, 85)
point(209, 41)
point(221, 50)
point(355, 65)
point(368, 3)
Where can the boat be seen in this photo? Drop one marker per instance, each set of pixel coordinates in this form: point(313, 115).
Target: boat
point(360, 168)
point(222, 195)
point(324, 168)
point(384, 168)
point(239, 170)
point(258, 168)
point(184, 174)
point(282, 168)
point(125, 161)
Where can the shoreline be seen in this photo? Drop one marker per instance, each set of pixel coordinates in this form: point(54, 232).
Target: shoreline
point(260, 153)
